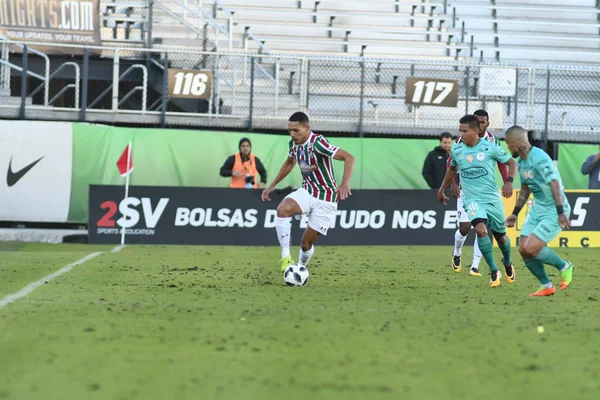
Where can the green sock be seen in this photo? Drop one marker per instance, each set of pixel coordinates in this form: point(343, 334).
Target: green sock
point(505, 249)
point(537, 269)
point(548, 256)
point(485, 246)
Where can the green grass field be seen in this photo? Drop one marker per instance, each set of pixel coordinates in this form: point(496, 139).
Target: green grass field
point(173, 322)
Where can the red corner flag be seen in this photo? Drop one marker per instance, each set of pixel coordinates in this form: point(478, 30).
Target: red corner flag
point(125, 163)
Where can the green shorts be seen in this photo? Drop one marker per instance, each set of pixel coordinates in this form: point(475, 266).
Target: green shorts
point(543, 224)
point(492, 212)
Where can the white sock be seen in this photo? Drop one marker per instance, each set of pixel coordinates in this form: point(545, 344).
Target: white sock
point(305, 256)
point(566, 267)
point(476, 255)
point(547, 285)
point(459, 241)
point(284, 234)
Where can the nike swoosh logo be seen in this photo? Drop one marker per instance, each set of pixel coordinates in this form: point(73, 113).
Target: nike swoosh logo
point(13, 177)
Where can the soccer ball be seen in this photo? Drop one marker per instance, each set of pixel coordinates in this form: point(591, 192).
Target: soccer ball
point(296, 275)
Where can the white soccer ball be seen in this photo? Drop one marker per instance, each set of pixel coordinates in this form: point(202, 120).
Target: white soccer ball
point(296, 275)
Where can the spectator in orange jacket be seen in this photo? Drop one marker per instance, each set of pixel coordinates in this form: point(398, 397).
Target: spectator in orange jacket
point(244, 167)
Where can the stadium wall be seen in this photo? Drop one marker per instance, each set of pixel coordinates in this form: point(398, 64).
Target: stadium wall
point(74, 156)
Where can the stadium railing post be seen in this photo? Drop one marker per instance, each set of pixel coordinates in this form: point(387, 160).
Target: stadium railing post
point(251, 109)
point(362, 97)
point(547, 116)
point(516, 95)
point(165, 88)
point(467, 89)
point(84, 86)
point(24, 82)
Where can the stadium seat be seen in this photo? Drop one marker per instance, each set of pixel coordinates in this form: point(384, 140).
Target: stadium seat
point(547, 31)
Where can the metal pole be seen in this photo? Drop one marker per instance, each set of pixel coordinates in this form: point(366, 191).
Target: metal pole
point(165, 88)
point(362, 97)
point(24, 83)
point(467, 88)
point(547, 110)
point(251, 110)
point(84, 86)
point(150, 17)
point(516, 96)
point(307, 83)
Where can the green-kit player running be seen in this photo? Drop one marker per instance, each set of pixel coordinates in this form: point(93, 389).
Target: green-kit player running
point(476, 159)
point(548, 216)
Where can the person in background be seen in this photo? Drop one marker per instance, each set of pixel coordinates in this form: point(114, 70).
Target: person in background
point(591, 167)
point(244, 167)
point(434, 167)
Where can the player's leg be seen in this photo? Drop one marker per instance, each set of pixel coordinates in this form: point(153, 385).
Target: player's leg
point(474, 270)
point(307, 247)
point(464, 226)
point(319, 221)
point(546, 229)
point(290, 206)
point(536, 267)
point(529, 247)
point(497, 224)
point(479, 218)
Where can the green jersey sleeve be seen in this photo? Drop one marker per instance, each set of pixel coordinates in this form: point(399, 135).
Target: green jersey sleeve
point(453, 155)
point(545, 168)
point(498, 153)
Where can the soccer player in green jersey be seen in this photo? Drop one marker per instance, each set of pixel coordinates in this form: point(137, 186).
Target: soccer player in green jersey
point(475, 159)
point(548, 216)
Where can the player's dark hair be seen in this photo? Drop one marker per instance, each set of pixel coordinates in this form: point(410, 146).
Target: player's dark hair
point(470, 120)
point(445, 135)
point(482, 113)
point(299, 117)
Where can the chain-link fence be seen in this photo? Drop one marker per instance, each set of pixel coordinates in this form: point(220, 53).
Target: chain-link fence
point(353, 95)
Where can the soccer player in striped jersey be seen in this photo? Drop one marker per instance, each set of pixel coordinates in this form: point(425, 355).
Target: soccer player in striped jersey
point(319, 195)
point(464, 226)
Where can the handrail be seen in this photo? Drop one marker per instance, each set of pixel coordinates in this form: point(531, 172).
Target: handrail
point(127, 71)
point(20, 69)
point(75, 85)
point(44, 78)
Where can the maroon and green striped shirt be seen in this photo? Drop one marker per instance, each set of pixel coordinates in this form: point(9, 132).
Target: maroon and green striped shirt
point(315, 158)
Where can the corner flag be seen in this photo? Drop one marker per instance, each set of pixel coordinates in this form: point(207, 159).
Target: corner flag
point(125, 165)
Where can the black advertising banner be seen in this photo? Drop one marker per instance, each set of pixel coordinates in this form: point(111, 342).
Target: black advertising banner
point(51, 21)
point(224, 216)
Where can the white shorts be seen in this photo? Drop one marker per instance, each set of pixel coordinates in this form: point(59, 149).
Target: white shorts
point(320, 213)
point(462, 214)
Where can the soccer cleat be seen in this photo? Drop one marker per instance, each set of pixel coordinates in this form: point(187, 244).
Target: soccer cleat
point(286, 262)
point(456, 264)
point(509, 272)
point(566, 276)
point(495, 278)
point(474, 271)
point(544, 291)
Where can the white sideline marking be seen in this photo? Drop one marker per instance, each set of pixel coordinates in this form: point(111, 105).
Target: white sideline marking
point(118, 248)
point(34, 285)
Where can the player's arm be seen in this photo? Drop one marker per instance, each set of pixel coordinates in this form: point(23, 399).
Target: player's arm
point(563, 220)
point(349, 161)
point(454, 188)
point(507, 188)
point(448, 178)
point(503, 171)
point(284, 171)
point(521, 200)
point(503, 157)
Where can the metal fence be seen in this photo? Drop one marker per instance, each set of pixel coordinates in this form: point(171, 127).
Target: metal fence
point(354, 95)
